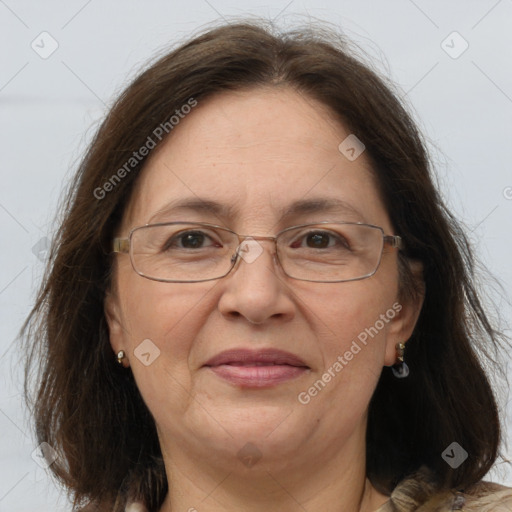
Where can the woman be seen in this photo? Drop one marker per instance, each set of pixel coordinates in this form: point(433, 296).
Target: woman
point(257, 299)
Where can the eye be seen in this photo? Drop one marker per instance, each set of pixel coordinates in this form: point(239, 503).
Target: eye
point(317, 240)
point(321, 240)
point(190, 240)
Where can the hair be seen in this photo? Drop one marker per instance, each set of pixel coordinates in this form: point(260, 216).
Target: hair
point(89, 409)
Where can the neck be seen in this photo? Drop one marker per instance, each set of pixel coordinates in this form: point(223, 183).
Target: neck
point(331, 482)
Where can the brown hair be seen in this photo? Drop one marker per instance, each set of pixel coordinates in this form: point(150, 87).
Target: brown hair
point(89, 409)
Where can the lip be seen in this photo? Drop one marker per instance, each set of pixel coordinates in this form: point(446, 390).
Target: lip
point(256, 368)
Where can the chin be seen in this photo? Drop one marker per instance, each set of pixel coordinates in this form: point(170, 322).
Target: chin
point(271, 432)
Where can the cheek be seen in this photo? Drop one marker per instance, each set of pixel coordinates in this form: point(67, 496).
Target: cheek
point(163, 312)
point(349, 311)
point(161, 321)
point(351, 328)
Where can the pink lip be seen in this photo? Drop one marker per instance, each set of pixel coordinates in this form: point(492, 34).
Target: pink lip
point(256, 369)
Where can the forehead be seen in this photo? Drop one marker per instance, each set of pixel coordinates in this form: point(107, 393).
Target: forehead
point(257, 153)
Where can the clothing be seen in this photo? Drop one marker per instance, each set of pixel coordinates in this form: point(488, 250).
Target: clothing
point(135, 507)
point(417, 493)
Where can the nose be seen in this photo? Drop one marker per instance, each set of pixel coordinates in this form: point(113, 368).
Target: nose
point(256, 288)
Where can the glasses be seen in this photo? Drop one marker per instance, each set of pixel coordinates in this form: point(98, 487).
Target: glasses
point(190, 252)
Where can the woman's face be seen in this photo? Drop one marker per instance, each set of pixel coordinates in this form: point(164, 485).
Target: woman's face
point(256, 153)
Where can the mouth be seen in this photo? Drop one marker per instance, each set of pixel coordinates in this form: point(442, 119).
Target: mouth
point(256, 369)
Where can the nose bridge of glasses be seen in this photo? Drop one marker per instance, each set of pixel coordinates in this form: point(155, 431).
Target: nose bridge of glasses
point(244, 241)
point(242, 238)
point(249, 247)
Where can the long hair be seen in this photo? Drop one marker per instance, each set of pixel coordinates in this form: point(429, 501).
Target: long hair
point(90, 410)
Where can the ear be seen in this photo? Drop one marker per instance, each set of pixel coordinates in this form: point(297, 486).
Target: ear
point(112, 310)
point(408, 308)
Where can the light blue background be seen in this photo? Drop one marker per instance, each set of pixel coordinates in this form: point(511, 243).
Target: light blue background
point(49, 109)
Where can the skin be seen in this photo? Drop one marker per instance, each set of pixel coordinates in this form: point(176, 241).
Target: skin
point(258, 151)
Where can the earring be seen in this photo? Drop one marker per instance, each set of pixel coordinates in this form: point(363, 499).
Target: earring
point(120, 356)
point(400, 368)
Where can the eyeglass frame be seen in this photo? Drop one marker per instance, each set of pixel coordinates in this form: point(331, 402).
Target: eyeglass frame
point(123, 246)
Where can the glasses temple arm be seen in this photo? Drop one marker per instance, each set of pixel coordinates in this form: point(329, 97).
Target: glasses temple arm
point(394, 241)
point(121, 245)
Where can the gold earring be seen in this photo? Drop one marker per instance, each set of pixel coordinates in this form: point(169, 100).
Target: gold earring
point(120, 356)
point(400, 368)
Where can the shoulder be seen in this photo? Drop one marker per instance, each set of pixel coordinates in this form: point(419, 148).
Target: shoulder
point(130, 507)
point(488, 497)
point(136, 507)
point(418, 492)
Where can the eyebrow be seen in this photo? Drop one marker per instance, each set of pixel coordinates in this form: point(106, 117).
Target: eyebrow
point(297, 208)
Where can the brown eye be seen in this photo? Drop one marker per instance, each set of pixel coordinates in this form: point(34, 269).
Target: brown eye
point(317, 240)
point(192, 240)
point(321, 240)
point(189, 240)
